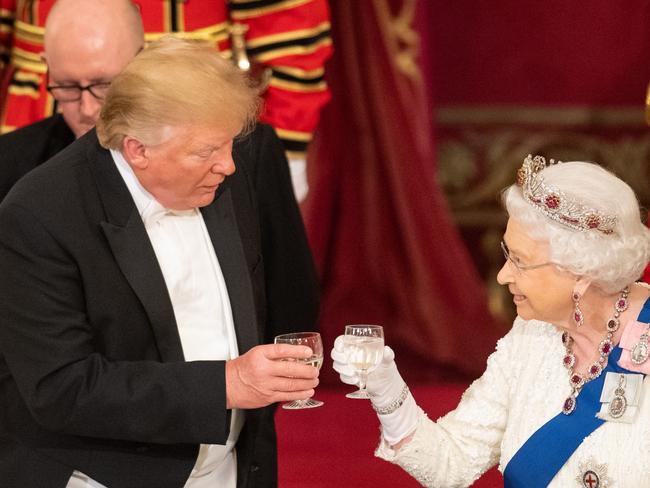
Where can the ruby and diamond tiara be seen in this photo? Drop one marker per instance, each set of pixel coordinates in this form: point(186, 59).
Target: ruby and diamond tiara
point(556, 204)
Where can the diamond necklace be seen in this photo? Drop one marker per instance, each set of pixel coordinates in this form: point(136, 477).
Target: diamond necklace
point(576, 380)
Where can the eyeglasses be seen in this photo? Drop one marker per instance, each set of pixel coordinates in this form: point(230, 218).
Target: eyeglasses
point(72, 93)
point(517, 264)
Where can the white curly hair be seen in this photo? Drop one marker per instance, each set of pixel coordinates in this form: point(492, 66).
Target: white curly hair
point(610, 261)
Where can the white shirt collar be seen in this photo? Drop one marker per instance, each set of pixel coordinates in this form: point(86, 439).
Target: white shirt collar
point(148, 207)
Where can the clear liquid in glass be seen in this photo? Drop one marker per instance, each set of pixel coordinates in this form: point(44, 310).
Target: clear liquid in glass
point(364, 353)
point(312, 340)
point(363, 345)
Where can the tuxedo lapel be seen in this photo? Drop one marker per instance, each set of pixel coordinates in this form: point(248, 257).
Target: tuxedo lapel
point(221, 222)
point(133, 252)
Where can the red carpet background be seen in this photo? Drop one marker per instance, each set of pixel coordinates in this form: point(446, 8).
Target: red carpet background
point(333, 445)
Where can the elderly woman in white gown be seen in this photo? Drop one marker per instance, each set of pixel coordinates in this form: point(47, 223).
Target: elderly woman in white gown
point(563, 401)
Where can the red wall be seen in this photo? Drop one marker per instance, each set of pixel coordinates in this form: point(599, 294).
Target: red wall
point(537, 52)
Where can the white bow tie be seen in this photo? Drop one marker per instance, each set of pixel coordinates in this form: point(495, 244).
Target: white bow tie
point(155, 212)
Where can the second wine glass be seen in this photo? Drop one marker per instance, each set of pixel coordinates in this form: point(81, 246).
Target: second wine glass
point(312, 340)
point(363, 346)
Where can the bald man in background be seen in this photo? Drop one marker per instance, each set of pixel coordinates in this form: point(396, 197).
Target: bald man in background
point(86, 45)
point(283, 43)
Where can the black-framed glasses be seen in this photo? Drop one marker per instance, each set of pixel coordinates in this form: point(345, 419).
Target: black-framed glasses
point(518, 265)
point(72, 93)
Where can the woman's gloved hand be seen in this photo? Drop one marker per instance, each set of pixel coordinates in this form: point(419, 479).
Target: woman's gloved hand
point(390, 397)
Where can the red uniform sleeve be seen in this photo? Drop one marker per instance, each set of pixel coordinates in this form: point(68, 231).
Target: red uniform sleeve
point(291, 39)
point(7, 16)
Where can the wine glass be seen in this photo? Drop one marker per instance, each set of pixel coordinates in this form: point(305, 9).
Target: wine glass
point(363, 346)
point(312, 340)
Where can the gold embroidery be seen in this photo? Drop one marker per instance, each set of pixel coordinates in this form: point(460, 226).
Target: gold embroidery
point(288, 51)
point(244, 14)
point(27, 60)
point(293, 135)
point(24, 91)
point(401, 39)
point(288, 36)
point(297, 86)
point(300, 73)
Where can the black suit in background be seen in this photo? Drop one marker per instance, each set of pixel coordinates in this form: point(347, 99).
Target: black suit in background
point(92, 374)
point(25, 148)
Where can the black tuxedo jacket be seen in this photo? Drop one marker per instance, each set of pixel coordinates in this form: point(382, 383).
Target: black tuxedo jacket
point(25, 148)
point(92, 374)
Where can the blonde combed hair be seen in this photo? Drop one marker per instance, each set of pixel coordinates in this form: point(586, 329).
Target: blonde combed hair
point(176, 82)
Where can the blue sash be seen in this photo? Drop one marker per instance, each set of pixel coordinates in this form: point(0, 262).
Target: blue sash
point(537, 462)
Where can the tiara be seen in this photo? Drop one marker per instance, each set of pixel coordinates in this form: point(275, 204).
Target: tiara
point(556, 204)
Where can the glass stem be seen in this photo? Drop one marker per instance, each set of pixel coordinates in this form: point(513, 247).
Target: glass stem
point(363, 379)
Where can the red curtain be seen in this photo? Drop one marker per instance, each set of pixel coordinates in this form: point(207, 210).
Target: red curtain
point(378, 223)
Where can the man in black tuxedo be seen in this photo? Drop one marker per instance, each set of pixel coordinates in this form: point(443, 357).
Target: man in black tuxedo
point(88, 42)
point(132, 297)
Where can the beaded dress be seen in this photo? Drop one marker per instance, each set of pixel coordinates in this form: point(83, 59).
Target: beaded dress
point(524, 386)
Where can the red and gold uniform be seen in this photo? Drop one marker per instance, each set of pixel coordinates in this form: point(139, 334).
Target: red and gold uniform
point(24, 96)
point(288, 41)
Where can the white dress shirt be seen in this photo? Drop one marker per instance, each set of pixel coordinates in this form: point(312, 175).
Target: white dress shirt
point(199, 297)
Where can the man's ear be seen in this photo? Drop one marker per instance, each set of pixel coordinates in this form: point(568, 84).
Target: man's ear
point(135, 153)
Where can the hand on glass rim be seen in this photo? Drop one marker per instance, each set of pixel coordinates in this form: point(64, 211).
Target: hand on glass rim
point(269, 373)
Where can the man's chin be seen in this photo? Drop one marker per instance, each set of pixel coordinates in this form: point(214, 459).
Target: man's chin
point(206, 199)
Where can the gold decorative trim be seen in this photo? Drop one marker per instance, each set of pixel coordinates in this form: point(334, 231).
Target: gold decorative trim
point(287, 36)
point(4, 129)
point(5, 29)
point(544, 116)
point(214, 28)
point(29, 29)
point(300, 73)
point(24, 91)
point(245, 14)
point(28, 36)
point(296, 86)
point(167, 16)
point(27, 76)
point(27, 55)
point(401, 39)
point(293, 135)
point(180, 12)
point(215, 33)
point(288, 51)
point(7, 13)
point(27, 60)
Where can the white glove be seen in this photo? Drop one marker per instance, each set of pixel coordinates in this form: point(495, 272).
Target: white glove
point(385, 387)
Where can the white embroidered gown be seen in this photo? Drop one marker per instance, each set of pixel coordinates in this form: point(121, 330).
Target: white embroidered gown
point(524, 386)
